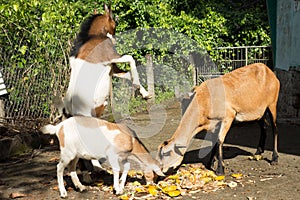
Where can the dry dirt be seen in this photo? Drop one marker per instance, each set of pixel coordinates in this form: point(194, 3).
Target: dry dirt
point(34, 175)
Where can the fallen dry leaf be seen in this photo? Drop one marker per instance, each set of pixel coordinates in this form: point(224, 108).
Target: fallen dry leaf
point(54, 159)
point(15, 195)
point(153, 190)
point(55, 188)
point(219, 178)
point(237, 176)
point(174, 193)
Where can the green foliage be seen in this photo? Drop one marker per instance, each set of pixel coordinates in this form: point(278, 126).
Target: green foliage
point(35, 37)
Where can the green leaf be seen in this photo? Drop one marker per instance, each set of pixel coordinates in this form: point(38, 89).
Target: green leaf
point(23, 49)
point(16, 7)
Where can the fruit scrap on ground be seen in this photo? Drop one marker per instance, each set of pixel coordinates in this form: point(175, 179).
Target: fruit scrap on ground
point(189, 179)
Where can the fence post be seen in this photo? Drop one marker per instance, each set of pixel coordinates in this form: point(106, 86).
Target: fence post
point(246, 55)
point(2, 110)
point(150, 78)
point(3, 92)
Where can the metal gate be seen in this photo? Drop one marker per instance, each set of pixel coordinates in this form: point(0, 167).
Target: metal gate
point(230, 58)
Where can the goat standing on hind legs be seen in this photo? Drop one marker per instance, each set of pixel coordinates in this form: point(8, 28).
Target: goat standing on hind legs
point(244, 94)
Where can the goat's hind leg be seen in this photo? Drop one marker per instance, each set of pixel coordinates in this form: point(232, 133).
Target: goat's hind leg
point(263, 134)
point(124, 174)
point(74, 177)
point(60, 179)
point(272, 113)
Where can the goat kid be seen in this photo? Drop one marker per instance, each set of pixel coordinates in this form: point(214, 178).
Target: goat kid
point(92, 138)
point(244, 94)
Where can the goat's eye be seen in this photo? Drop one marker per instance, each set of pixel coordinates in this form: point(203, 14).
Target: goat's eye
point(167, 153)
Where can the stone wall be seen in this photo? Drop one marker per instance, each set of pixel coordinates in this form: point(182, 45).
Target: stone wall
point(289, 95)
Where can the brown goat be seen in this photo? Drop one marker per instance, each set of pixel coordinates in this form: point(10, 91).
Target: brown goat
point(244, 94)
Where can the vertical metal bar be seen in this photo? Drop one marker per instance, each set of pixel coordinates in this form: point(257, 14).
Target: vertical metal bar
point(246, 54)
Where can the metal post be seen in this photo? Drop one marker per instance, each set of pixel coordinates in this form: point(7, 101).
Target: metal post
point(246, 54)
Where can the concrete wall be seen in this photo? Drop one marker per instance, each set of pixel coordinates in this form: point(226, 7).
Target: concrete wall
point(289, 96)
point(287, 34)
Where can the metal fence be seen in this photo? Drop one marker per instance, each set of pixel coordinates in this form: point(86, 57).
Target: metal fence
point(230, 58)
point(31, 90)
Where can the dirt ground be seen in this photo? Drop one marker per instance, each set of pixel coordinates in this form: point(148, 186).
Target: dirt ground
point(34, 175)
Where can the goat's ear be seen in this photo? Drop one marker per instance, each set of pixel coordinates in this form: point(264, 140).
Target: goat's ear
point(108, 10)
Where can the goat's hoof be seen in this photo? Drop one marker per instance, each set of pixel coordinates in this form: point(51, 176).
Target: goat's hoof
point(274, 162)
point(147, 97)
point(64, 194)
point(220, 171)
point(119, 191)
point(82, 188)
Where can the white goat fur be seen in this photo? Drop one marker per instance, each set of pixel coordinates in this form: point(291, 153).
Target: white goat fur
point(92, 138)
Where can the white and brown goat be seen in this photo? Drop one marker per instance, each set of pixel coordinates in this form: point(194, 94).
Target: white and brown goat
point(245, 94)
point(91, 138)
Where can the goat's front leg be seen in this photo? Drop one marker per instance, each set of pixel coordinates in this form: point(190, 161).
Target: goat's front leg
point(142, 90)
point(220, 169)
point(74, 176)
point(225, 126)
point(134, 76)
point(124, 174)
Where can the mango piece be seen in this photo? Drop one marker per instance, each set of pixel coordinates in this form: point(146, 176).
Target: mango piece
point(237, 176)
point(219, 178)
point(152, 190)
point(174, 193)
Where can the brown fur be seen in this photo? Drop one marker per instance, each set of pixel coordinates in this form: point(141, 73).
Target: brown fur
point(99, 49)
point(99, 110)
point(86, 122)
point(123, 146)
point(61, 137)
point(106, 24)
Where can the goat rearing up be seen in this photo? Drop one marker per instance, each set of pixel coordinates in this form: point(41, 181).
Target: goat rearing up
point(245, 94)
point(91, 138)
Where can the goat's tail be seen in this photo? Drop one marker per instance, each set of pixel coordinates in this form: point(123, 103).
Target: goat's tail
point(49, 129)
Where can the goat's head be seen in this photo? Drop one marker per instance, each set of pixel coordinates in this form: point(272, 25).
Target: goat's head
point(148, 172)
point(170, 155)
